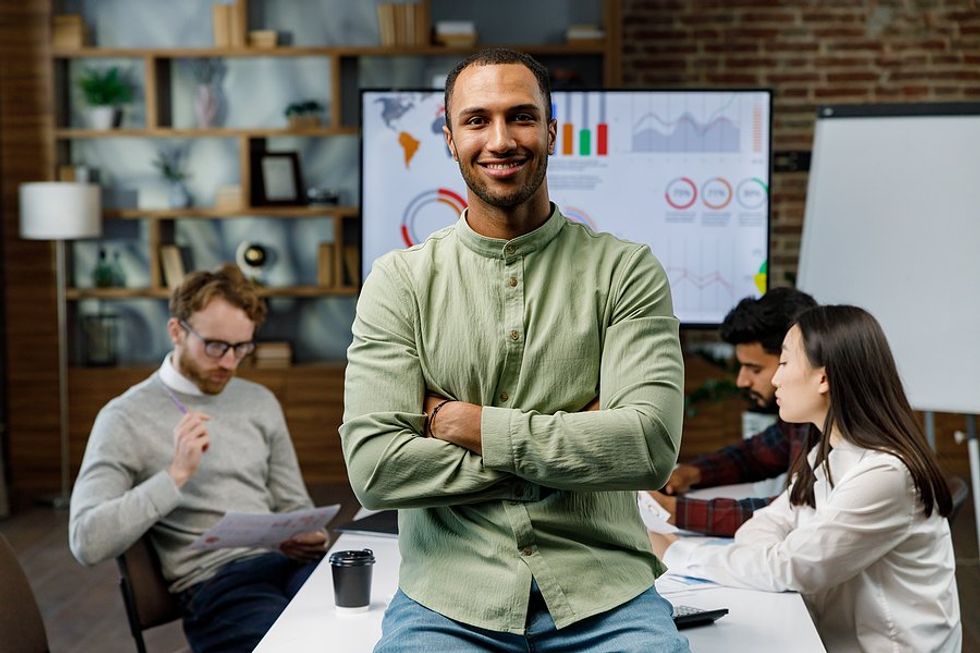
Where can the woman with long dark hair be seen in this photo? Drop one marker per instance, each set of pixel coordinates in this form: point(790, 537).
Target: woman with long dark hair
point(861, 531)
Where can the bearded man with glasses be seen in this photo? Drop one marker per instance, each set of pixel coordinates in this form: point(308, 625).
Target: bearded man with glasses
point(190, 443)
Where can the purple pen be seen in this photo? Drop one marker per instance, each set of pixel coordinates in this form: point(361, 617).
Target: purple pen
point(177, 402)
point(180, 406)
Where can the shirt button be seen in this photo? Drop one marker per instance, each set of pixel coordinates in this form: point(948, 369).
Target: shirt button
point(512, 282)
point(514, 335)
point(504, 396)
point(526, 551)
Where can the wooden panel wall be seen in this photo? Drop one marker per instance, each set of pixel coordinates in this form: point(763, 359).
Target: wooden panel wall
point(31, 341)
point(311, 397)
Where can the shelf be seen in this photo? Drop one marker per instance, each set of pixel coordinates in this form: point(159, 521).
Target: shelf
point(214, 132)
point(243, 212)
point(74, 294)
point(323, 51)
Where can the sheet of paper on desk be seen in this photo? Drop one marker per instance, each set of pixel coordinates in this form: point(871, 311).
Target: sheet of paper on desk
point(240, 529)
point(673, 583)
point(653, 514)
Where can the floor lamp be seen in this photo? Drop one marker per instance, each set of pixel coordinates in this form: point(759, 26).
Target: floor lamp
point(60, 211)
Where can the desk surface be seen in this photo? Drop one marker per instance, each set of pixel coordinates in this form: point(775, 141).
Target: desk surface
point(757, 621)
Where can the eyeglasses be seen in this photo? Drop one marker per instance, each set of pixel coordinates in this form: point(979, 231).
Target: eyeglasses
point(218, 348)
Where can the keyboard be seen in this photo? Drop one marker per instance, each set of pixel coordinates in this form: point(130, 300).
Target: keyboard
point(687, 617)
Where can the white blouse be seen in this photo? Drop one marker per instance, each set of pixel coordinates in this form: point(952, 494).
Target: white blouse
point(875, 572)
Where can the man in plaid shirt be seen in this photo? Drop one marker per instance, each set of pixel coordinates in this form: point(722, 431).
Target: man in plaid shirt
point(756, 327)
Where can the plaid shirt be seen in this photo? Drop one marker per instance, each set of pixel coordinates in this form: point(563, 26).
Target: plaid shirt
point(765, 455)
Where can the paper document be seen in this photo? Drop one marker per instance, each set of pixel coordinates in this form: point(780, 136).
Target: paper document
point(242, 529)
point(673, 583)
point(653, 514)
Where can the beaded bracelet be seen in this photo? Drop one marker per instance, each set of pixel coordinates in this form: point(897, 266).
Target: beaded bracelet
point(432, 417)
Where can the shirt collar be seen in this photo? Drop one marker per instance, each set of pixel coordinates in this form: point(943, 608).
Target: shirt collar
point(515, 247)
point(175, 380)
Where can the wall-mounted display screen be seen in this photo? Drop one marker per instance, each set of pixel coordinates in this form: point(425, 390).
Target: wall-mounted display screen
point(686, 172)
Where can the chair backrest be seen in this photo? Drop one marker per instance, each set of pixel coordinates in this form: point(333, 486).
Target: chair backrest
point(21, 627)
point(144, 590)
point(959, 491)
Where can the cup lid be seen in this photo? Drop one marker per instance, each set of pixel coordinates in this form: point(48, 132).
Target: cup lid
point(352, 558)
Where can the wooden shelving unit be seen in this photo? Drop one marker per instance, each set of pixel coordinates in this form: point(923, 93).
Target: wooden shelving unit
point(158, 68)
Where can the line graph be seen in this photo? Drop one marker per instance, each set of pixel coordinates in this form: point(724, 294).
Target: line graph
point(718, 130)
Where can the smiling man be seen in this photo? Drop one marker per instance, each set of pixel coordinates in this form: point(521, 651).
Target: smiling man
point(190, 443)
point(756, 327)
point(510, 381)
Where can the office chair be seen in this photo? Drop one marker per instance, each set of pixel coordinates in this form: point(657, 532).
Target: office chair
point(959, 491)
point(144, 591)
point(21, 627)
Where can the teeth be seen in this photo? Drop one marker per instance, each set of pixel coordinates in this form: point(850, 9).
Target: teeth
point(502, 166)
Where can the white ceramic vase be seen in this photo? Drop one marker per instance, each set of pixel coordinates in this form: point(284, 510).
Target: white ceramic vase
point(102, 117)
point(205, 105)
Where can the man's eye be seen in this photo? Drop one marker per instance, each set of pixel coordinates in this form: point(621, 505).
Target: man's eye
point(475, 120)
point(524, 117)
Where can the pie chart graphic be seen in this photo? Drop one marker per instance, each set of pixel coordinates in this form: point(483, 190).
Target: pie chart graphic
point(760, 277)
point(425, 214)
point(580, 216)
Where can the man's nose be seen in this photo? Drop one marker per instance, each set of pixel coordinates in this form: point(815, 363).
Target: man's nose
point(501, 140)
point(742, 380)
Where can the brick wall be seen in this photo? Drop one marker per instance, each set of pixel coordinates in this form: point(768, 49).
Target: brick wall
point(809, 53)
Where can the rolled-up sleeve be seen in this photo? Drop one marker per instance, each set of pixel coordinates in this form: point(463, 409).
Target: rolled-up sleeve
point(390, 462)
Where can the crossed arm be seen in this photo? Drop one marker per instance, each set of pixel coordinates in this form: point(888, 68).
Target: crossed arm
point(478, 453)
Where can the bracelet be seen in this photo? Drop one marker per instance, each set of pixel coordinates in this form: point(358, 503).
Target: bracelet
point(432, 417)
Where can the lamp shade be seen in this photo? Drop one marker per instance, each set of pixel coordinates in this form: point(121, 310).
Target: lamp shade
point(59, 210)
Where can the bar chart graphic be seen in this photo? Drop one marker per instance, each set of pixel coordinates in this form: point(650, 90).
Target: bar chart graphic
point(578, 135)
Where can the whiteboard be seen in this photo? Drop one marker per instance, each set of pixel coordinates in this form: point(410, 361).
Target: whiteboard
point(892, 224)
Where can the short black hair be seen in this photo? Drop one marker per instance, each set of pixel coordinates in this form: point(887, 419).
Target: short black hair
point(498, 57)
point(765, 319)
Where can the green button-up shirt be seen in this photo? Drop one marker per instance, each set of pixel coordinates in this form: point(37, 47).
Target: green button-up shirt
point(532, 329)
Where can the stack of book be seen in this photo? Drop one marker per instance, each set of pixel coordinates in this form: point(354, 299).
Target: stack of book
point(584, 35)
point(403, 24)
point(68, 32)
point(458, 33)
point(228, 24)
point(273, 355)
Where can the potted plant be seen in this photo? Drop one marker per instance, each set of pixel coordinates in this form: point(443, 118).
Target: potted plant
point(105, 91)
point(170, 163)
point(304, 114)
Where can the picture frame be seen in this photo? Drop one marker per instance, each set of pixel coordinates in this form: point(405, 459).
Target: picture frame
point(276, 179)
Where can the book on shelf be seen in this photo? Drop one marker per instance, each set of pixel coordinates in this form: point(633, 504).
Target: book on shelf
point(403, 23)
point(68, 32)
point(263, 38)
point(221, 25)
point(584, 35)
point(352, 265)
point(455, 33)
point(325, 265)
point(273, 355)
point(172, 264)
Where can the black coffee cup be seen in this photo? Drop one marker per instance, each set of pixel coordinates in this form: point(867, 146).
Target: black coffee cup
point(352, 579)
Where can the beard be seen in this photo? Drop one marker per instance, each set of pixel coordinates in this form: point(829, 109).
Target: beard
point(202, 378)
point(762, 405)
point(508, 200)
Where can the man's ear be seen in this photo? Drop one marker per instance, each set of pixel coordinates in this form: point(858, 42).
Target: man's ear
point(552, 135)
point(449, 141)
point(174, 330)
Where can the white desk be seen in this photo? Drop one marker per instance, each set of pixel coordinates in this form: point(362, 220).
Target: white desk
point(757, 621)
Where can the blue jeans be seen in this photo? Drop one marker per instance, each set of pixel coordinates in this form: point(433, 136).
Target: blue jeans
point(641, 625)
point(232, 610)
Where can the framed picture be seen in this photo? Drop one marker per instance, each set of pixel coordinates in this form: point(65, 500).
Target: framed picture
point(276, 179)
